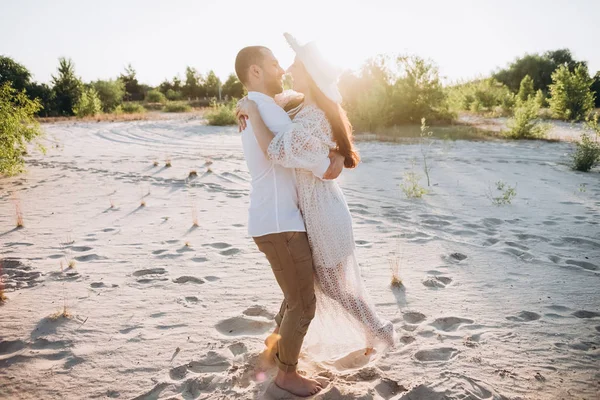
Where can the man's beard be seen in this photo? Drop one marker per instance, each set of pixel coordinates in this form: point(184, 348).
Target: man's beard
point(275, 86)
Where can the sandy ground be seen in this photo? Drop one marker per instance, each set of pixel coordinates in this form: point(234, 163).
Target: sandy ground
point(499, 302)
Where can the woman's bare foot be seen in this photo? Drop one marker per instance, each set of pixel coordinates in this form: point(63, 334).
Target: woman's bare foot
point(369, 351)
point(275, 332)
point(296, 384)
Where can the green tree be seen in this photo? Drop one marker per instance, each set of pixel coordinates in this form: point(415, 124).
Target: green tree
point(596, 89)
point(193, 84)
point(418, 91)
point(111, 93)
point(570, 94)
point(526, 89)
point(538, 66)
point(233, 87)
point(12, 71)
point(17, 128)
point(212, 84)
point(89, 103)
point(45, 95)
point(525, 124)
point(133, 90)
point(66, 88)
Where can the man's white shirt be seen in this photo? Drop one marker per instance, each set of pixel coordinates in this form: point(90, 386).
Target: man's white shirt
point(273, 197)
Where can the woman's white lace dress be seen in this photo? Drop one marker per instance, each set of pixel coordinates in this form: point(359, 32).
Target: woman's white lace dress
point(345, 320)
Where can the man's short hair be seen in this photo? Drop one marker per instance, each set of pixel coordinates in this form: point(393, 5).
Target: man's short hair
point(245, 58)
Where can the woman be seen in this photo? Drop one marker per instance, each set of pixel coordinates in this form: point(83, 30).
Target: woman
point(321, 125)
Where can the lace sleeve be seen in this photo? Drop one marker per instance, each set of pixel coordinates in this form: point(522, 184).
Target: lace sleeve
point(305, 144)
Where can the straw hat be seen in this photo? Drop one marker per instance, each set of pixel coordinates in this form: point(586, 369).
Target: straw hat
point(321, 71)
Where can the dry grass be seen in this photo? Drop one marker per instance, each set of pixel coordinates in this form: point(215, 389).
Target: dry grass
point(168, 163)
point(187, 244)
point(395, 267)
point(195, 217)
point(104, 118)
point(209, 170)
point(19, 215)
point(143, 203)
point(193, 173)
point(155, 163)
point(112, 202)
point(64, 313)
point(3, 297)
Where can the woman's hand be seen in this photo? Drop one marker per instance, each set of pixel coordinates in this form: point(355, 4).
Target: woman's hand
point(245, 107)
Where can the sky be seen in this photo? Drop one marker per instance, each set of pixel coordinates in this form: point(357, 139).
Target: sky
point(465, 38)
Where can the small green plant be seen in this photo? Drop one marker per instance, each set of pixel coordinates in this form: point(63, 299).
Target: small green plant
point(222, 114)
point(177, 107)
point(582, 188)
point(89, 104)
point(168, 163)
point(411, 187)
point(525, 123)
point(426, 142)
point(130, 108)
point(503, 195)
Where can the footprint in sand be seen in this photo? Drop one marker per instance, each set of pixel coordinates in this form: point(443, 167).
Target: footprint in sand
point(517, 245)
point(490, 242)
point(388, 388)
point(90, 257)
point(524, 316)
point(437, 281)
point(230, 252)
point(363, 243)
point(413, 317)
point(242, 326)
point(199, 259)
point(190, 279)
point(458, 256)
point(258, 311)
point(436, 355)
point(597, 328)
point(81, 248)
point(156, 252)
point(524, 255)
point(583, 264)
point(237, 348)
point(554, 259)
point(150, 275)
point(586, 314)
point(449, 324)
point(219, 245)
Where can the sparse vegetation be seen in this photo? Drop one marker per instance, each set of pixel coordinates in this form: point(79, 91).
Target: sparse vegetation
point(503, 194)
point(168, 163)
point(177, 107)
point(587, 153)
point(193, 173)
point(64, 313)
point(222, 114)
point(155, 96)
point(482, 96)
point(195, 217)
point(130, 108)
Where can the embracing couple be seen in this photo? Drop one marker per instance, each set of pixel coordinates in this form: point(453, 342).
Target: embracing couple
point(296, 144)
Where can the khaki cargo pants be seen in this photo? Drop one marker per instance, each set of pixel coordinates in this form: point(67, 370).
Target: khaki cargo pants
point(291, 260)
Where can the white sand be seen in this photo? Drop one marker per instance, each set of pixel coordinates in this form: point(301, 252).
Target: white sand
point(518, 318)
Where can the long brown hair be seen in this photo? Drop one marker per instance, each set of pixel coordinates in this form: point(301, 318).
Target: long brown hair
point(340, 125)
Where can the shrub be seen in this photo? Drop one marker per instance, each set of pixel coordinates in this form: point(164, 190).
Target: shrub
point(526, 89)
point(570, 94)
point(177, 107)
point(503, 195)
point(89, 104)
point(172, 95)
point(17, 128)
point(130, 108)
point(587, 153)
point(484, 95)
point(222, 114)
point(155, 96)
point(525, 124)
point(110, 92)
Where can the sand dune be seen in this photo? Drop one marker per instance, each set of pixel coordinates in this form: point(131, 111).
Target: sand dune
point(498, 302)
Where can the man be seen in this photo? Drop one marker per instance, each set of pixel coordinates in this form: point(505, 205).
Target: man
point(275, 221)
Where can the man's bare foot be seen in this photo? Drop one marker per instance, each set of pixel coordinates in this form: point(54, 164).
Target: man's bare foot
point(296, 384)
